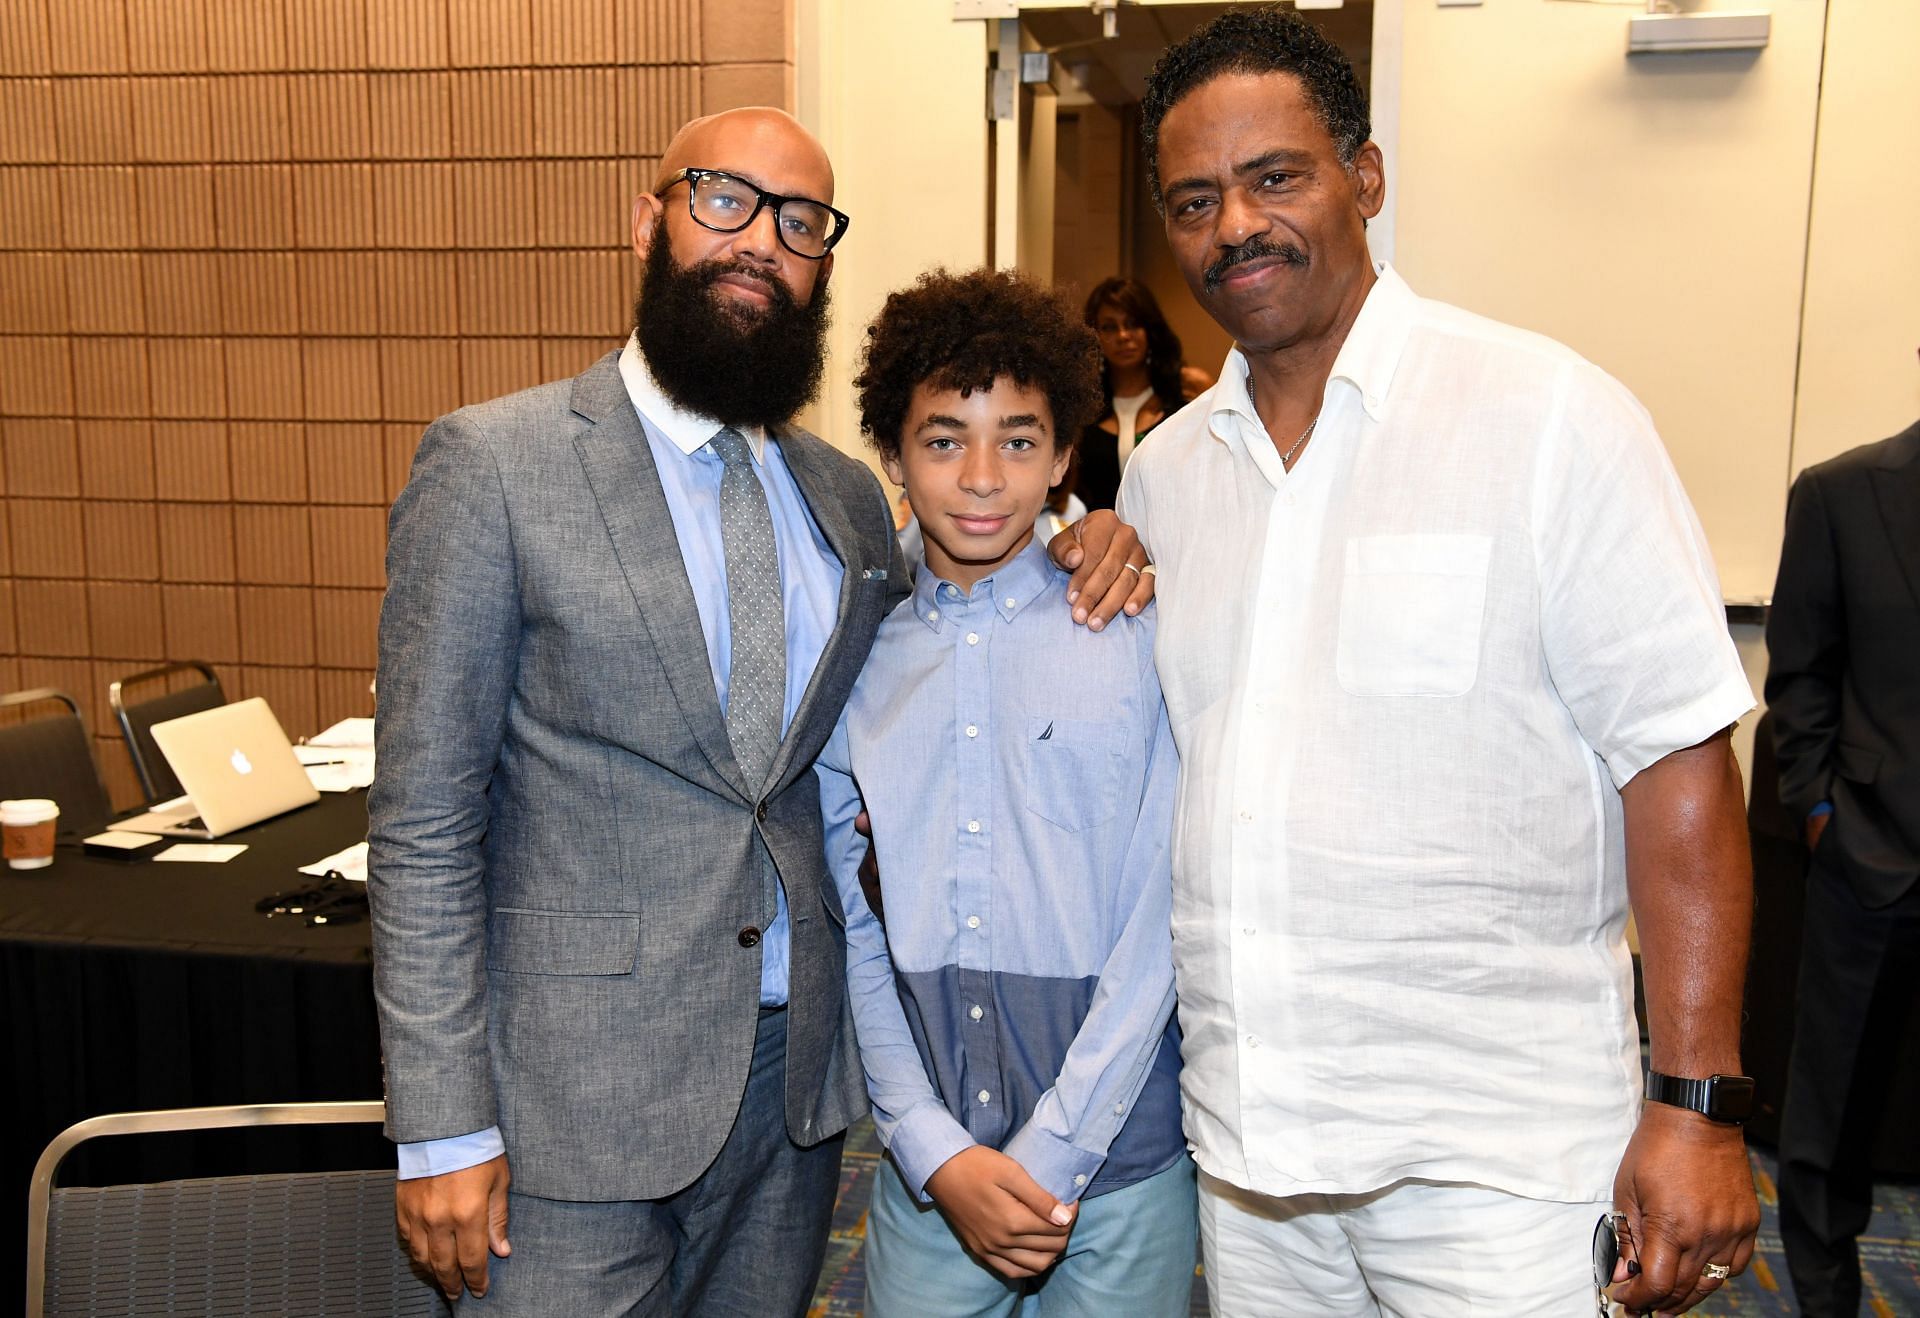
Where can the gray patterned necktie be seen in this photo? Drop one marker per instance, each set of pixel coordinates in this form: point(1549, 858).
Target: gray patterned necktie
point(757, 675)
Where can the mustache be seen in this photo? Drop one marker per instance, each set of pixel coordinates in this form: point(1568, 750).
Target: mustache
point(710, 272)
point(1251, 250)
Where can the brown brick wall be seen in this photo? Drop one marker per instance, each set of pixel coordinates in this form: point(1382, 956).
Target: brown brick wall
point(247, 247)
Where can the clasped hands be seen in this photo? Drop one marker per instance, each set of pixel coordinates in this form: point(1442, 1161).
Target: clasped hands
point(1001, 1214)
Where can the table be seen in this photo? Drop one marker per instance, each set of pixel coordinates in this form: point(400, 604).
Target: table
point(128, 985)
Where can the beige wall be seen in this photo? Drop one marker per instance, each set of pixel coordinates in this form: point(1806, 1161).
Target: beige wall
point(896, 91)
point(1858, 377)
point(1650, 212)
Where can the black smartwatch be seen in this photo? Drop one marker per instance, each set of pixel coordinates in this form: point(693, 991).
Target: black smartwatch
point(1727, 1099)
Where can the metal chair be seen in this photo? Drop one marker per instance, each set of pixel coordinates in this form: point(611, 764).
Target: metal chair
point(302, 1245)
point(137, 719)
point(51, 757)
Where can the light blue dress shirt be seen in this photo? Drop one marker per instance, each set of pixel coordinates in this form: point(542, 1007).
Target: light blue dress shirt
point(810, 595)
point(1020, 775)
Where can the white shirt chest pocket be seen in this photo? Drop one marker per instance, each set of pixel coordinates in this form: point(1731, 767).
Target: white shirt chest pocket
point(1410, 613)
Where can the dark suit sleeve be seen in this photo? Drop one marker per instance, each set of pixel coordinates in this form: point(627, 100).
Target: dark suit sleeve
point(1806, 649)
point(449, 633)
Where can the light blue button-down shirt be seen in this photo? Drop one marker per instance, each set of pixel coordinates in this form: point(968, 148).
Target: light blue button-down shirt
point(1019, 773)
point(810, 595)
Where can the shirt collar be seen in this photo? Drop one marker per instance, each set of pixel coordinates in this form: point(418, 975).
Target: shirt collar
point(1367, 359)
point(1013, 586)
point(686, 431)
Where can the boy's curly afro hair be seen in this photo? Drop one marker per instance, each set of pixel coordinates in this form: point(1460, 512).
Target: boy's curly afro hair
point(963, 332)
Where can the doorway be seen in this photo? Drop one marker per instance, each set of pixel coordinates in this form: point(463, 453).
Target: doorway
point(1081, 211)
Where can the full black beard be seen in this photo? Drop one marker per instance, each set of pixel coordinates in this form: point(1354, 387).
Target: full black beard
point(1249, 250)
point(740, 367)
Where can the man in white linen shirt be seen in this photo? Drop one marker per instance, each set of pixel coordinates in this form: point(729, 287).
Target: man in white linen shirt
point(1450, 677)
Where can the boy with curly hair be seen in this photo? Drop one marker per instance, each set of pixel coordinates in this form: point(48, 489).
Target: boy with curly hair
point(1014, 1011)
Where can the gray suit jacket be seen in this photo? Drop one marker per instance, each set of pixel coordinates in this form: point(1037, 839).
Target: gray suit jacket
point(564, 852)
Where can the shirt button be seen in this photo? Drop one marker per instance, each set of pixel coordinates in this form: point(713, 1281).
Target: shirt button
point(1253, 1041)
point(1079, 1178)
point(1011, 602)
point(1248, 931)
point(973, 922)
point(972, 731)
point(973, 826)
point(976, 1013)
point(1119, 1109)
point(973, 638)
point(933, 615)
point(1244, 817)
point(1287, 500)
point(984, 1096)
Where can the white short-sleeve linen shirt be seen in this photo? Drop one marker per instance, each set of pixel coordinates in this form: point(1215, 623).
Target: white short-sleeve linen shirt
point(1407, 681)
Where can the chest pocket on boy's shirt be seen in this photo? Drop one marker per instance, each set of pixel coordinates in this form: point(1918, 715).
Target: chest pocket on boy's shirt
point(1073, 770)
point(1410, 613)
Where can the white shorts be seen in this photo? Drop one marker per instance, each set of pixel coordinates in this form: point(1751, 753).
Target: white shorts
point(1413, 1250)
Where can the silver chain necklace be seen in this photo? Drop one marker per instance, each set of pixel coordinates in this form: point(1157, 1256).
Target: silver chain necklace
point(1286, 460)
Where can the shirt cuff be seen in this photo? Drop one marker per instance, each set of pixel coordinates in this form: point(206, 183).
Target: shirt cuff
point(453, 1154)
point(922, 1143)
point(1059, 1167)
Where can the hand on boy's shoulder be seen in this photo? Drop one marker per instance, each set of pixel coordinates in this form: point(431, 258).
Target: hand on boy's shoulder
point(1104, 555)
point(1000, 1213)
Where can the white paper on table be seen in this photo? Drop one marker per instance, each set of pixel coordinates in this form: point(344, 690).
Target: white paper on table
point(347, 732)
point(351, 864)
point(207, 853)
point(336, 769)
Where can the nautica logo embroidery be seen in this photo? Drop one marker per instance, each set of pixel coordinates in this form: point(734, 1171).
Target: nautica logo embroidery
point(1047, 735)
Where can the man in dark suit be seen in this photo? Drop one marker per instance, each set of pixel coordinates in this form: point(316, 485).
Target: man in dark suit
point(1843, 683)
point(624, 612)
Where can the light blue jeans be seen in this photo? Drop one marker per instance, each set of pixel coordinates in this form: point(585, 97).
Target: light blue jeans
point(1132, 1252)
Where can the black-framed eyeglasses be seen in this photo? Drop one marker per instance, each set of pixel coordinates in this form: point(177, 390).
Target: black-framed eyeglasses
point(727, 203)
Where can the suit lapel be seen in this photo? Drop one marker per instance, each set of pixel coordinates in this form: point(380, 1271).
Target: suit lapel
point(1896, 488)
point(816, 484)
point(626, 486)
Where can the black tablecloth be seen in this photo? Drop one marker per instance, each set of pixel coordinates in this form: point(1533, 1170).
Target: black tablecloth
point(135, 985)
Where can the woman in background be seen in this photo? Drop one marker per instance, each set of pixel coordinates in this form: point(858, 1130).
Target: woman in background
point(1144, 379)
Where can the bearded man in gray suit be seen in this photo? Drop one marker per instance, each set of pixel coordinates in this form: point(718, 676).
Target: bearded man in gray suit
point(624, 612)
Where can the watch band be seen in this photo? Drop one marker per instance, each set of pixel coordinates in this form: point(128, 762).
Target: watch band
point(1727, 1099)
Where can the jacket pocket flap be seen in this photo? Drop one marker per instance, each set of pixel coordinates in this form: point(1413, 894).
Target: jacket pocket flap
point(562, 942)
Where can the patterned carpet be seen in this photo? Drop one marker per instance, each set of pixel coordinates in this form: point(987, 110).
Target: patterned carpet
point(1890, 1249)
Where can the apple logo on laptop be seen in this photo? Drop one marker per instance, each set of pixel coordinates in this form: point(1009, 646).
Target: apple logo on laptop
point(240, 762)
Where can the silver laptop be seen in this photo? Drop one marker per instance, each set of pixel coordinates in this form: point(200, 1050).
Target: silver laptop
point(236, 766)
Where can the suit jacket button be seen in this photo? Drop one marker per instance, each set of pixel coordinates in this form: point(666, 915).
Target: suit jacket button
point(760, 812)
point(750, 937)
